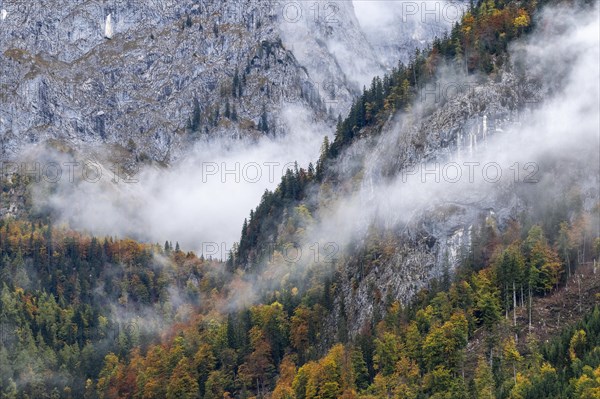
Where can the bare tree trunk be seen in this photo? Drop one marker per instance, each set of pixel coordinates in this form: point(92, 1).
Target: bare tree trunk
point(515, 312)
point(506, 301)
point(579, 285)
point(522, 296)
point(514, 305)
point(583, 250)
point(529, 307)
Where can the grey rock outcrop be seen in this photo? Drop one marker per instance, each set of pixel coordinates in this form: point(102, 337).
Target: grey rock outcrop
point(149, 77)
point(434, 227)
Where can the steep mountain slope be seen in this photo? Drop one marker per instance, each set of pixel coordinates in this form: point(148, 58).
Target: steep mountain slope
point(386, 194)
point(184, 84)
point(153, 76)
point(395, 29)
point(379, 271)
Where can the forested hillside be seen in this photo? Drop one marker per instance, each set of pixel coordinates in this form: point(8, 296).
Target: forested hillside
point(478, 45)
point(73, 325)
point(460, 338)
point(303, 309)
point(464, 335)
point(69, 299)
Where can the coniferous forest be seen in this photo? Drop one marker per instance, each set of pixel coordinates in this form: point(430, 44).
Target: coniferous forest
point(89, 316)
point(106, 317)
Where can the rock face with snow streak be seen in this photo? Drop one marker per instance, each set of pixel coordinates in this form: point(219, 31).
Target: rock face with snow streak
point(62, 78)
point(108, 31)
point(171, 64)
point(432, 232)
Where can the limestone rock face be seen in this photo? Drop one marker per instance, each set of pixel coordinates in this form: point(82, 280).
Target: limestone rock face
point(433, 222)
point(153, 76)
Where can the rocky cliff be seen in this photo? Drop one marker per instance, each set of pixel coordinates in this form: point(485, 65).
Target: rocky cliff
point(151, 77)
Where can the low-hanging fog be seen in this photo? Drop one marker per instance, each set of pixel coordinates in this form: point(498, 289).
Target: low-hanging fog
point(553, 146)
point(200, 201)
point(396, 28)
point(195, 204)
